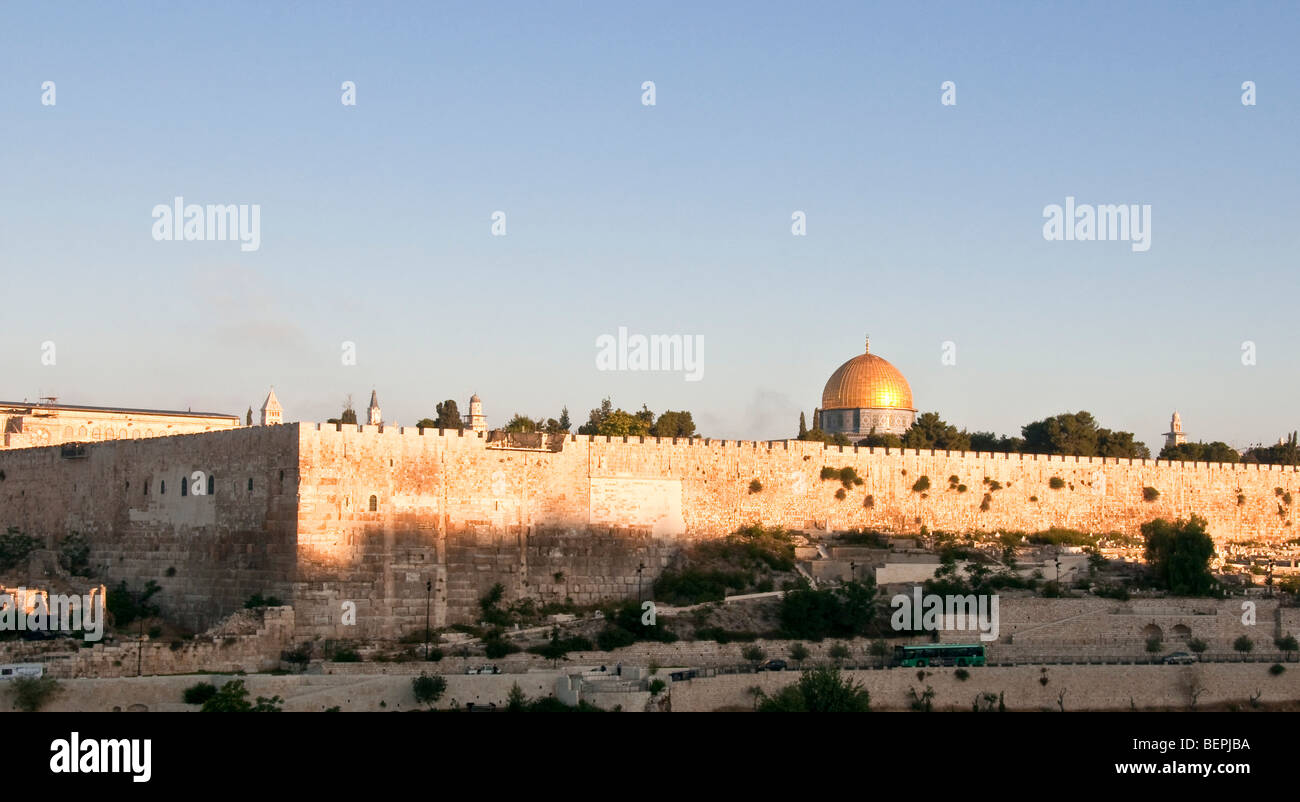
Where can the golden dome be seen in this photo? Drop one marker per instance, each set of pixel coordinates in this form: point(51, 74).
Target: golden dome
point(867, 382)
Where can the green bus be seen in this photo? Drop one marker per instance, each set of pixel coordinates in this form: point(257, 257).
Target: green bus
point(939, 654)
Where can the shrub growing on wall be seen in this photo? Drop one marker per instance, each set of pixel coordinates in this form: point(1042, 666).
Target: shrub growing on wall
point(74, 554)
point(31, 693)
point(1056, 483)
point(14, 547)
point(1150, 494)
point(921, 485)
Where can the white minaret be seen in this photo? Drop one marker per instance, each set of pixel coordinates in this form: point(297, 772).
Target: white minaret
point(1175, 436)
point(272, 412)
point(376, 418)
point(477, 420)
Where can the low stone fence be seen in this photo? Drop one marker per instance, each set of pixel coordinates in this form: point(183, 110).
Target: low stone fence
point(248, 641)
point(1022, 687)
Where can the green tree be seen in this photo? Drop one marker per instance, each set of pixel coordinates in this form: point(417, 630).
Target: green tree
point(597, 417)
point(199, 693)
point(930, 431)
point(349, 414)
point(516, 702)
point(520, 423)
point(233, 698)
point(554, 426)
point(674, 424)
point(844, 612)
point(448, 416)
point(874, 440)
point(1286, 452)
point(622, 424)
point(1243, 644)
point(428, 690)
point(646, 416)
point(820, 690)
point(126, 605)
point(1286, 644)
point(988, 441)
point(1179, 554)
point(1200, 452)
point(818, 436)
point(803, 427)
point(555, 649)
point(1077, 434)
point(1120, 444)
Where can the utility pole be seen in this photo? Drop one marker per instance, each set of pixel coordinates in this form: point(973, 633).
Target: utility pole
point(139, 645)
point(428, 601)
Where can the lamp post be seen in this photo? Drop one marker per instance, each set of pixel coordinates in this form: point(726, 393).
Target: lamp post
point(853, 570)
point(428, 601)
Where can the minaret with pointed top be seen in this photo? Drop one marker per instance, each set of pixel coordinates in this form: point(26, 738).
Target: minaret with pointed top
point(376, 417)
point(477, 420)
point(1175, 435)
point(272, 412)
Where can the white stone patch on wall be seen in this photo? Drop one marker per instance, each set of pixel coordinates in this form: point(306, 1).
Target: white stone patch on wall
point(655, 503)
point(170, 507)
point(414, 502)
point(797, 481)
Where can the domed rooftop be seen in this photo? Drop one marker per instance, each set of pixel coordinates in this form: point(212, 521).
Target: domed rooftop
point(867, 382)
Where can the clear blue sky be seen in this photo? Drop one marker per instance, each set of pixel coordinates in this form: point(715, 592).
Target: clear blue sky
point(924, 221)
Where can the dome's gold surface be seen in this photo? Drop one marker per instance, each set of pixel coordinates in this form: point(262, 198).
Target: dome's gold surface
point(867, 382)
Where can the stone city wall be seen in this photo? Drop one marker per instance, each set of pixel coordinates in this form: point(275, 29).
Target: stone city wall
point(208, 552)
point(364, 518)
